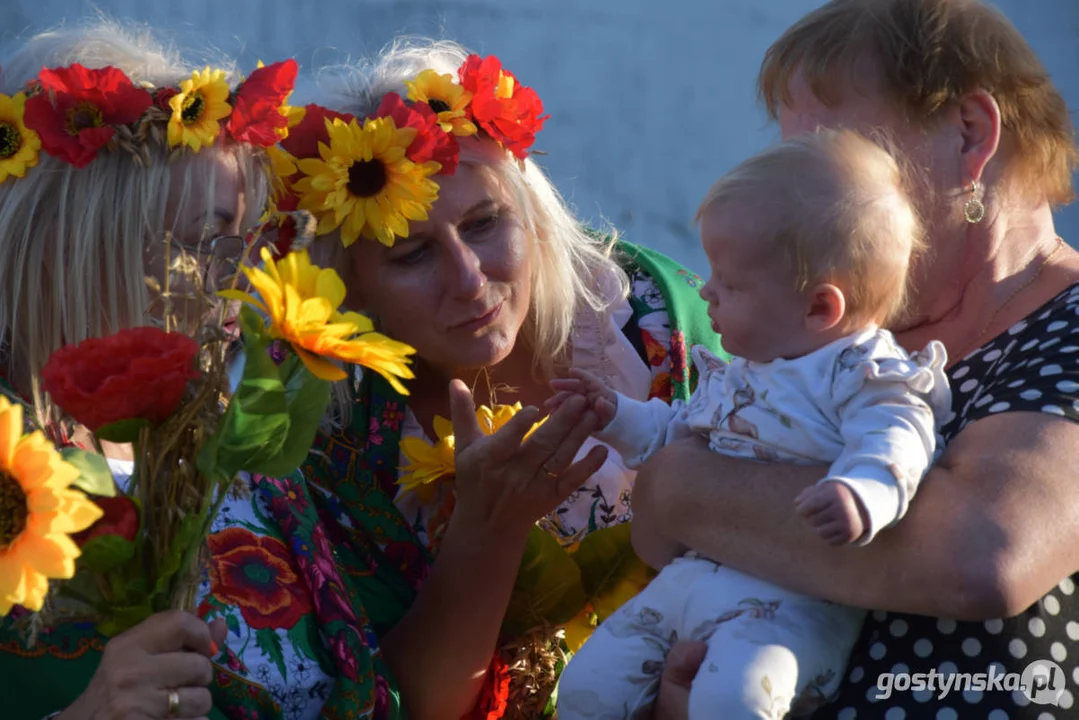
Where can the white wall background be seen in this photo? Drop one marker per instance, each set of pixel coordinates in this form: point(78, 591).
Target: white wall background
point(650, 101)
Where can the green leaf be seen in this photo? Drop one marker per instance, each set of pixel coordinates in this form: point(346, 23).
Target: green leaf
point(300, 636)
point(273, 416)
point(548, 586)
point(256, 422)
point(270, 644)
point(123, 618)
point(122, 431)
point(106, 553)
point(95, 478)
point(306, 398)
point(232, 624)
point(610, 568)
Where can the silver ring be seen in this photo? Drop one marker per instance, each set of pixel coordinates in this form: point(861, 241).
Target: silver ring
point(174, 704)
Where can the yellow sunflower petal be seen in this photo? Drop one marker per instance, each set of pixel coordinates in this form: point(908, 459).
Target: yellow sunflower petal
point(51, 555)
point(11, 429)
point(443, 427)
point(319, 367)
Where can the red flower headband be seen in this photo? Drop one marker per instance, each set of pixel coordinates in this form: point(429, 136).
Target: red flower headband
point(73, 112)
point(370, 177)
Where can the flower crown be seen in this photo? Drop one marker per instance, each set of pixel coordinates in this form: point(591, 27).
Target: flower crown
point(73, 112)
point(370, 177)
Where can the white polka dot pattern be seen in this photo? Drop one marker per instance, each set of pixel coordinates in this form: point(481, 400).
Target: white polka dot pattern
point(1034, 366)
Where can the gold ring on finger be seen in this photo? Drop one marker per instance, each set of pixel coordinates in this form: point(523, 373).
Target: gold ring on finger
point(174, 704)
point(548, 471)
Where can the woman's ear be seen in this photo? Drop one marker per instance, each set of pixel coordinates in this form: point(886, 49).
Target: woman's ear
point(979, 125)
point(827, 308)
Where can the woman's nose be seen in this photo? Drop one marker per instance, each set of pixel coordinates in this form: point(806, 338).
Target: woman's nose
point(469, 279)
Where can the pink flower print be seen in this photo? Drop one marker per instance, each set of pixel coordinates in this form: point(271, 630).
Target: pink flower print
point(382, 699)
point(234, 662)
point(346, 660)
point(374, 436)
point(392, 416)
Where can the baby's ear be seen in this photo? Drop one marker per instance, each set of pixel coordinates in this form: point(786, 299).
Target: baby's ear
point(826, 307)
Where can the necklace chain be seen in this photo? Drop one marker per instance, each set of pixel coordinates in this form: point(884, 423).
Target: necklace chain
point(992, 318)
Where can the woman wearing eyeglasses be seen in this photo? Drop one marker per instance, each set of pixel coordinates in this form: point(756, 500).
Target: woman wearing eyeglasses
point(89, 223)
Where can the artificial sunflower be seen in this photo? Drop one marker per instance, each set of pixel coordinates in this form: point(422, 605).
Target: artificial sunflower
point(364, 184)
point(38, 512)
point(198, 108)
point(428, 463)
point(282, 167)
point(448, 99)
point(19, 145)
point(431, 462)
point(302, 301)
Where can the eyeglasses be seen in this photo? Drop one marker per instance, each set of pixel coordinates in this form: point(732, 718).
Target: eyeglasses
point(222, 257)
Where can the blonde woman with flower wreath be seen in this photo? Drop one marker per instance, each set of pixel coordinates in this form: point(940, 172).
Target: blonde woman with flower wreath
point(417, 169)
point(109, 144)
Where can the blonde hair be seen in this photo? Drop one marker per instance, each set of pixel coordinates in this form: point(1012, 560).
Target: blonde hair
point(74, 240)
point(834, 209)
point(927, 55)
point(569, 262)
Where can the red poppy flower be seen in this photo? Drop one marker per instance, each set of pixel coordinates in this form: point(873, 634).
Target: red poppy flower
point(432, 143)
point(506, 110)
point(256, 574)
point(302, 141)
point(139, 373)
point(78, 109)
point(256, 108)
point(121, 518)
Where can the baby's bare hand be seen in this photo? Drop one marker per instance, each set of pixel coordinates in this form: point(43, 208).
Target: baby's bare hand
point(833, 511)
point(601, 399)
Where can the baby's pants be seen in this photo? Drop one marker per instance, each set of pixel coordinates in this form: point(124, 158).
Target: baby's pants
point(770, 651)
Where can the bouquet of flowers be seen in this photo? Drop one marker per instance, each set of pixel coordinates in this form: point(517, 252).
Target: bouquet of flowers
point(125, 550)
point(565, 586)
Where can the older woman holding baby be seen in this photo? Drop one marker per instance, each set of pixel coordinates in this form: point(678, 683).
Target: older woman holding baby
point(979, 576)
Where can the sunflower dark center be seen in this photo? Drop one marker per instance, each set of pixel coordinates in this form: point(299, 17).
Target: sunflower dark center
point(83, 116)
point(193, 107)
point(438, 105)
point(10, 140)
point(13, 510)
point(366, 178)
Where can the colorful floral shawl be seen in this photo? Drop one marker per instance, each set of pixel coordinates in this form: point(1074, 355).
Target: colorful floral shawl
point(356, 563)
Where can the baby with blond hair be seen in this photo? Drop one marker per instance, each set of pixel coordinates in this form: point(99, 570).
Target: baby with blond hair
point(809, 246)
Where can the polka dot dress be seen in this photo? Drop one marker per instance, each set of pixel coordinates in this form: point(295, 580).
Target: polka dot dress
point(1034, 366)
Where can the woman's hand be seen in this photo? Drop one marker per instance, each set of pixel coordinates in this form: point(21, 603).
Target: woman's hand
point(509, 482)
point(166, 653)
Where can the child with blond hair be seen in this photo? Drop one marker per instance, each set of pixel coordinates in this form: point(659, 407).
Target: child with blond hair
point(809, 246)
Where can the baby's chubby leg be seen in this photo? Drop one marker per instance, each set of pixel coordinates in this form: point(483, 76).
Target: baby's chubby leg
point(616, 673)
point(770, 651)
